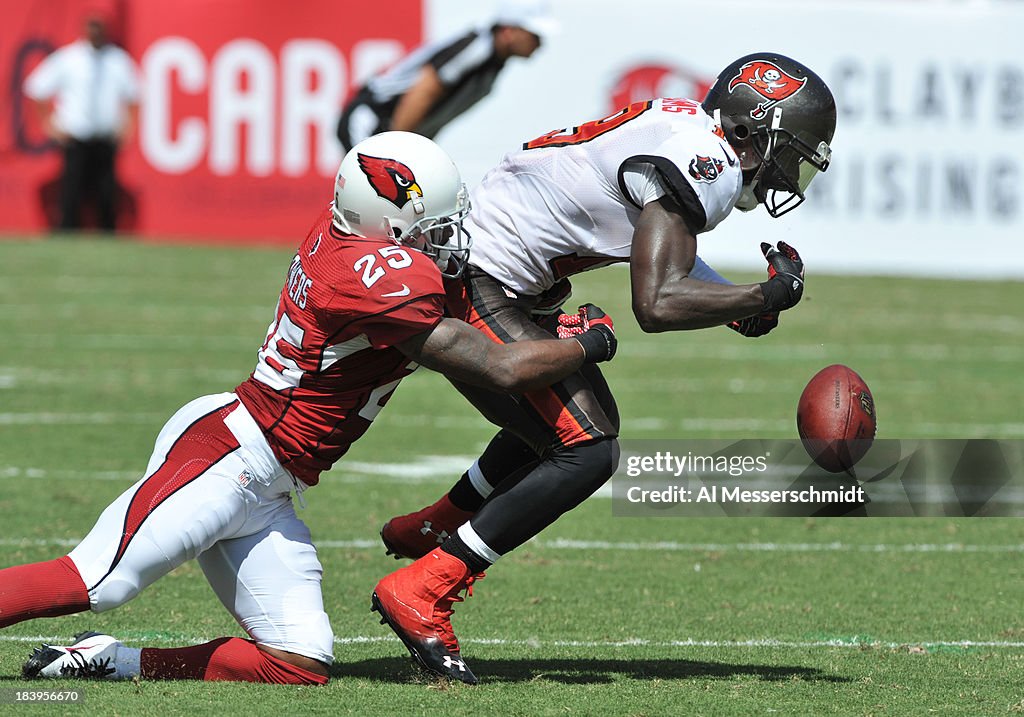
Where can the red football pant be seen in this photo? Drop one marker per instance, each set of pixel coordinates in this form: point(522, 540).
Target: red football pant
point(47, 589)
point(227, 659)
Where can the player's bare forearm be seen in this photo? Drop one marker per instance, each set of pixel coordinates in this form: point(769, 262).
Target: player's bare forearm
point(465, 354)
point(416, 103)
point(665, 296)
point(687, 303)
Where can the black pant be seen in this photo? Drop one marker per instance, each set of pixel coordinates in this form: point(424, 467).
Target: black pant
point(577, 409)
point(88, 171)
point(558, 444)
point(363, 98)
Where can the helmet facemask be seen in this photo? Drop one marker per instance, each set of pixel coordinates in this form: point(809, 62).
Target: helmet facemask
point(788, 164)
point(777, 165)
point(443, 238)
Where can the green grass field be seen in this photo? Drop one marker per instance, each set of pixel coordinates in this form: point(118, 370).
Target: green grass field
point(103, 340)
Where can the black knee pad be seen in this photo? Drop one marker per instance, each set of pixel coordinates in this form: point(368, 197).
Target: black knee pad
point(588, 466)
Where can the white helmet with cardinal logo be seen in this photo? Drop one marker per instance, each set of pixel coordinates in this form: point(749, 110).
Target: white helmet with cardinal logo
point(402, 187)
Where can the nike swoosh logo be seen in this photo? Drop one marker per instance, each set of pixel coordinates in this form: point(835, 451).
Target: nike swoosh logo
point(403, 292)
point(728, 156)
point(80, 648)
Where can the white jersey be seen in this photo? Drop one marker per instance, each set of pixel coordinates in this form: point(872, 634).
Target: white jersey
point(91, 86)
point(570, 199)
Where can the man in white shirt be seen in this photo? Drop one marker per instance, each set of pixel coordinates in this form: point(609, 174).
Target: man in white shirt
point(86, 94)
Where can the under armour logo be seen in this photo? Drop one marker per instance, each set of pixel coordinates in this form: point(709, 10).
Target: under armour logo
point(796, 284)
point(449, 662)
point(426, 530)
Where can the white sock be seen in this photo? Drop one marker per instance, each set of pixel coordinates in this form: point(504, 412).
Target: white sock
point(127, 662)
point(476, 544)
point(477, 480)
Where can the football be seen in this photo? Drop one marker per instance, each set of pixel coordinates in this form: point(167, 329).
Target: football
point(836, 418)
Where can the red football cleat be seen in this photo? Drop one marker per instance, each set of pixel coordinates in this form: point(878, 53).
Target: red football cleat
point(416, 602)
point(416, 534)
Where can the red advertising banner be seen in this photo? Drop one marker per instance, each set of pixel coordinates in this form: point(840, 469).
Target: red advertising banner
point(239, 104)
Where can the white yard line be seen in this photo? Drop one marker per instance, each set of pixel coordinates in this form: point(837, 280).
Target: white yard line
point(935, 352)
point(70, 418)
point(634, 427)
point(439, 469)
point(651, 546)
point(833, 547)
point(15, 377)
point(533, 643)
point(929, 352)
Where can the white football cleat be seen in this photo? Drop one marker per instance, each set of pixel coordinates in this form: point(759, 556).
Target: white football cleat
point(92, 656)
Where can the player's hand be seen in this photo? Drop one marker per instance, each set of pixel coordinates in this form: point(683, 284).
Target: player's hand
point(593, 329)
point(785, 283)
point(754, 326)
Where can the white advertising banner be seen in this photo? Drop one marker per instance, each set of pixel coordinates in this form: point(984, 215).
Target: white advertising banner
point(927, 176)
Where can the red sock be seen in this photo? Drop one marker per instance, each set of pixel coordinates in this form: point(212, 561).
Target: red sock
point(46, 589)
point(230, 659)
point(447, 513)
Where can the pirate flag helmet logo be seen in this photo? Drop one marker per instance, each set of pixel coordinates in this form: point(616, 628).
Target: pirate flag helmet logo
point(768, 80)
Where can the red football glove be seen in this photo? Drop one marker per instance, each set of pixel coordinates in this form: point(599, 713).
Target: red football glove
point(593, 329)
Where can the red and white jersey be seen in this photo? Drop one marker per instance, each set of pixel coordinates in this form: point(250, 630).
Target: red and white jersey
point(329, 363)
point(570, 199)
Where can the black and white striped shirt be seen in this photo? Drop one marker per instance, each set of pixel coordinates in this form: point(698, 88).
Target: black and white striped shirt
point(467, 66)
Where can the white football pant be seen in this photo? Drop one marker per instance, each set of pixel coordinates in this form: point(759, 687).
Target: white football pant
point(213, 490)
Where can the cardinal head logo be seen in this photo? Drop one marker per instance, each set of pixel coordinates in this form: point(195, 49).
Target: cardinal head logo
point(391, 179)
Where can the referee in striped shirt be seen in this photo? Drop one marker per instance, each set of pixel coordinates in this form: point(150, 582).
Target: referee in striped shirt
point(440, 80)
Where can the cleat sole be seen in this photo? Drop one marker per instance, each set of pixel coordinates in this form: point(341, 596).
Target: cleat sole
point(470, 678)
point(39, 659)
point(390, 549)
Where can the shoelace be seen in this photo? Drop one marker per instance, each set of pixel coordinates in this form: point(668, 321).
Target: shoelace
point(88, 669)
point(443, 615)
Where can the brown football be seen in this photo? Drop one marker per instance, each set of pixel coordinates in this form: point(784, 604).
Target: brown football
point(836, 418)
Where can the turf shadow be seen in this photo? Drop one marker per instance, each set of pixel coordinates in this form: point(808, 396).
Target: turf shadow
point(582, 671)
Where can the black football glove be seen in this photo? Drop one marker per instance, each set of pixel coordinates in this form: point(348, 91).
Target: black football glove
point(785, 283)
point(754, 326)
point(593, 329)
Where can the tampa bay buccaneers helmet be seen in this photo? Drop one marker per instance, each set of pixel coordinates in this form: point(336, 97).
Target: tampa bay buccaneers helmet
point(402, 187)
point(779, 117)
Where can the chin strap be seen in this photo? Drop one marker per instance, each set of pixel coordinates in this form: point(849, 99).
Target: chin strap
point(747, 201)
